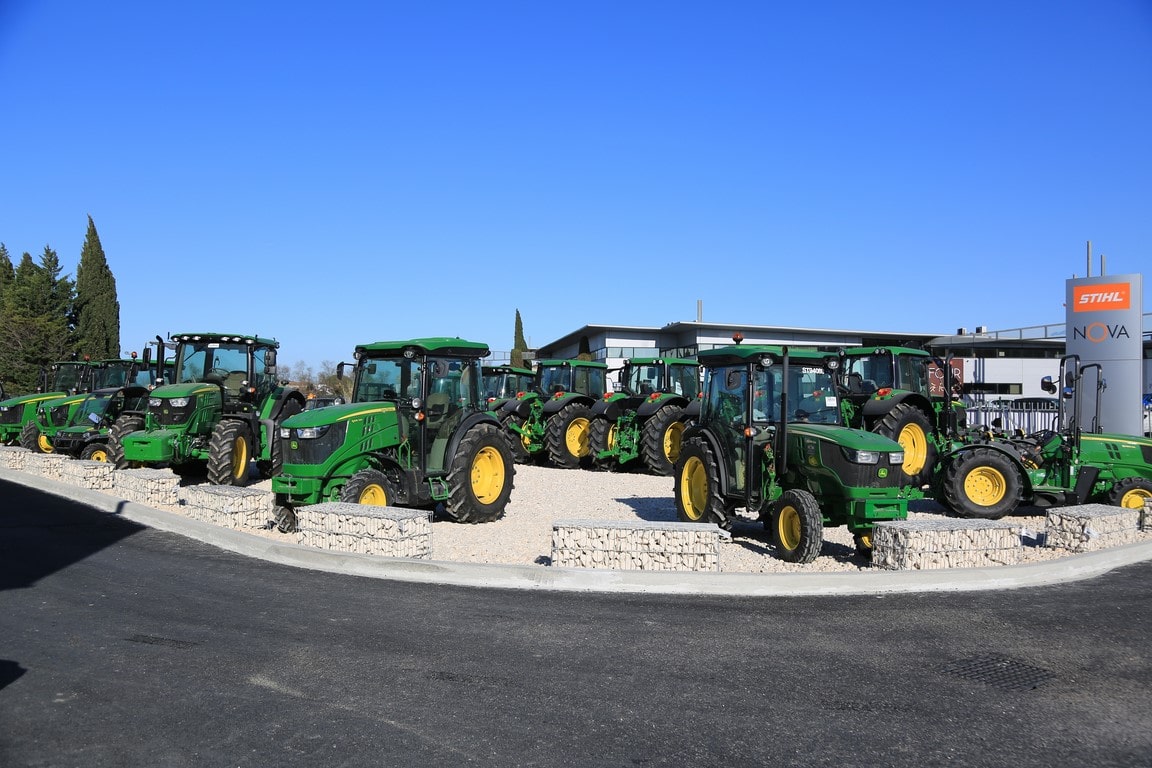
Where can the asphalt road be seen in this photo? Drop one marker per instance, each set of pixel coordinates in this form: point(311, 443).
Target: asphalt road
point(126, 646)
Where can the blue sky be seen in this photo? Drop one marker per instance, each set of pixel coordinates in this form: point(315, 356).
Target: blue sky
point(383, 170)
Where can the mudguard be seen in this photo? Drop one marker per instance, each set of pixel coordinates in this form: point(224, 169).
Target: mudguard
point(648, 406)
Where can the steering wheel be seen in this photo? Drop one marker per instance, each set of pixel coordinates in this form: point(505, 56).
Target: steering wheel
point(216, 374)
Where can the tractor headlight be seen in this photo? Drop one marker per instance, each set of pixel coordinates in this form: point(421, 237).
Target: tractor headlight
point(862, 457)
point(896, 457)
point(154, 402)
point(311, 433)
point(178, 402)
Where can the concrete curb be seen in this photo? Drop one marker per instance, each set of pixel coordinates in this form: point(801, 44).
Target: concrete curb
point(1072, 568)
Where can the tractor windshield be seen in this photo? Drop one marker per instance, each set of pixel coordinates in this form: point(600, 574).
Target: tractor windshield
point(380, 379)
point(211, 360)
point(684, 380)
point(114, 374)
point(645, 379)
point(92, 408)
point(812, 395)
point(69, 377)
point(555, 378)
point(868, 373)
point(505, 384)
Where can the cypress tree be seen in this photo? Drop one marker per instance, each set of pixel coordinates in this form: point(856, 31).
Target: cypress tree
point(519, 346)
point(97, 307)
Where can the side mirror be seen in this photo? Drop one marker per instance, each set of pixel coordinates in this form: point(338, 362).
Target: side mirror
point(1048, 385)
point(340, 370)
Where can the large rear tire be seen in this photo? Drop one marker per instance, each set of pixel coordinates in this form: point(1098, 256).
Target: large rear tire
point(369, 486)
point(567, 435)
point(696, 486)
point(123, 425)
point(660, 439)
point(1131, 492)
point(982, 483)
point(229, 453)
point(909, 426)
point(797, 526)
point(480, 476)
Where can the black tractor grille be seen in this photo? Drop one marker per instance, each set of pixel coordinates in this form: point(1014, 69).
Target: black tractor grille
point(861, 475)
point(314, 450)
point(168, 416)
point(10, 416)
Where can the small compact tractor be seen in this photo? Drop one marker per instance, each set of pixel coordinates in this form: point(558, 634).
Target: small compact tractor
point(769, 440)
point(553, 420)
point(85, 435)
point(222, 409)
point(503, 383)
point(18, 414)
point(646, 418)
point(416, 434)
point(991, 473)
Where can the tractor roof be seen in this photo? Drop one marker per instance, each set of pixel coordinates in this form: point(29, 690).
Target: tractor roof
point(741, 354)
point(438, 345)
point(873, 350)
point(573, 363)
point(235, 338)
point(507, 369)
point(659, 360)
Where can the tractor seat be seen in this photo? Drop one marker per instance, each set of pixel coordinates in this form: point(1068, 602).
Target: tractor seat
point(234, 384)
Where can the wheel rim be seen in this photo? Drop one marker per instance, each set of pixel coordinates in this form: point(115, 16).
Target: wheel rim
point(487, 475)
point(915, 444)
point(788, 527)
point(239, 457)
point(44, 443)
point(864, 540)
point(672, 437)
point(373, 495)
point(576, 437)
point(693, 488)
point(985, 486)
point(1134, 498)
point(99, 455)
point(612, 437)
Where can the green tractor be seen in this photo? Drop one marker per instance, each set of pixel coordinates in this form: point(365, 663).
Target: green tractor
point(415, 434)
point(504, 382)
point(553, 420)
point(222, 408)
point(18, 414)
point(790, 464)
point(646, 418)
point(85, 435)
point(991, 473)
point(888, 390)
point(53, 415)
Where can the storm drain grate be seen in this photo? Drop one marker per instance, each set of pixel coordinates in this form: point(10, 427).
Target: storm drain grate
point(165, 641)
point(1000, 672)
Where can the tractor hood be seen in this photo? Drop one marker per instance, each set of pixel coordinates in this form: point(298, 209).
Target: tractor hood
point(853, 439)
point(169, 391)
point(26, 399)
point(332, 414)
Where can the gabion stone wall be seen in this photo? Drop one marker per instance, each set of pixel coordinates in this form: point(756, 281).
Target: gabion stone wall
point(948, 543)
point(49, 465)
point(95, 475)
point(227, 505)
point(151, 487)
point(1091, 526)
point(12, 456)
point(636, 546)
point(369, 530)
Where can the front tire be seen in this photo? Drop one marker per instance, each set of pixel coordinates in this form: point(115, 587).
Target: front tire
point(517, 442)
point(661, 439)
point(1130, 493)
point(982, 483)
point(480, 476)
point(30, 437)
point(275, 463)
point(95, 452)
point(909, 426)
point(229, 452)
point(602, 437)
point(369, 486)
point(696, 486)
point(797, 526)
point(123, 425)
point(567, 435)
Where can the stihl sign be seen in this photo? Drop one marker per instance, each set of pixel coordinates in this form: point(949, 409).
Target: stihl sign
point(1102, 296)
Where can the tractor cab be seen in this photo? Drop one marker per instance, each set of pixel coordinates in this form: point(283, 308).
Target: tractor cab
point(504, 382)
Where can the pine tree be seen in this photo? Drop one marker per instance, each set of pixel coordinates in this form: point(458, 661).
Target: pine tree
point(519, 345)
point(97, 307)
point(36, 329)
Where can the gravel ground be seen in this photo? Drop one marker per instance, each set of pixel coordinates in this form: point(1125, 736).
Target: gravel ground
point(543, 495)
